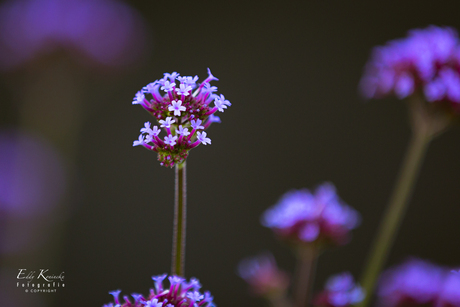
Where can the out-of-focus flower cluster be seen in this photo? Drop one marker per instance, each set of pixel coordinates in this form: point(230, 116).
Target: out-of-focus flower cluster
point(419, 283)
point(263, 276)
point(109, 32)
point(427, 60)
point(184, 112)
point(28, 162)
point(303, 217)
point(340, 291)
point(180, 293)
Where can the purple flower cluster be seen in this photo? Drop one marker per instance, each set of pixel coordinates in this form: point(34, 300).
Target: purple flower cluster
point(427, 60)
point(263, 275)
point(416, 283)
point(179, 294)
point(184, 112)
point(340, 291)
point(303, 217)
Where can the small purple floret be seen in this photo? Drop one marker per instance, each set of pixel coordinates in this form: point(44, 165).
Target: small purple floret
point(214, 119)
point(183, 89)
point(139, 98)
point(170, 140)
point(195, 296)
point(140, 141)
point(201, 136)
point(176, 107)
point(168, 86)
point(196, 124)
point(159, 278)
point(211, 77)
point(115, 295)
point(182, 131)
point(166, 123)
point(221, 103)
point(175, 280)
point(147, 128)
point(209, 89)
point(171, 76)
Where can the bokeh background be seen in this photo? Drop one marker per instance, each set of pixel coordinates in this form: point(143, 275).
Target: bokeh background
point(291, 71)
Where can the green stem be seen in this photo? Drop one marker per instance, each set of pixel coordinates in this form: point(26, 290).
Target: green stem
point(395, 211)
point(306, 266)
point(180, 218)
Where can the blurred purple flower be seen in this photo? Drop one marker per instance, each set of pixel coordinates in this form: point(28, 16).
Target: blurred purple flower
point(108, 32)
point(340, 291)
point(417, 282)
point(33, 179)
point(263, 275)
point(450, 291)
point(180, 293)
point(427, 60)
point(322, 217)
point(180, 111)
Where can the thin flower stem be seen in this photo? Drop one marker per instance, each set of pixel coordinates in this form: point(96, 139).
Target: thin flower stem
point(180, 218)
point(396, 209)
point(306, 267)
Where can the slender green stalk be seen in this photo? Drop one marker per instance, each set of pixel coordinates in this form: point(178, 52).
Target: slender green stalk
point(180, 218)
point(396, 209)
point(306, 267)
point(427, 121)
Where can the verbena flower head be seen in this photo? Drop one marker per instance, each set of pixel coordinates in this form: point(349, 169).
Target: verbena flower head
point(340, 291)
point(304, 217)
point(416, 283)
point(263, 275)
point(180, 293)
point(426, 61)
point(184, 110)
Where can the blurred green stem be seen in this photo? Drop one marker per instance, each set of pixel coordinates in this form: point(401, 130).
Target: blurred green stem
point(427, 122)
point(306, 267)
point(180, 218)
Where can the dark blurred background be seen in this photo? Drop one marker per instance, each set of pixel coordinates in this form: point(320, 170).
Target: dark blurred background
point(291, 71)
